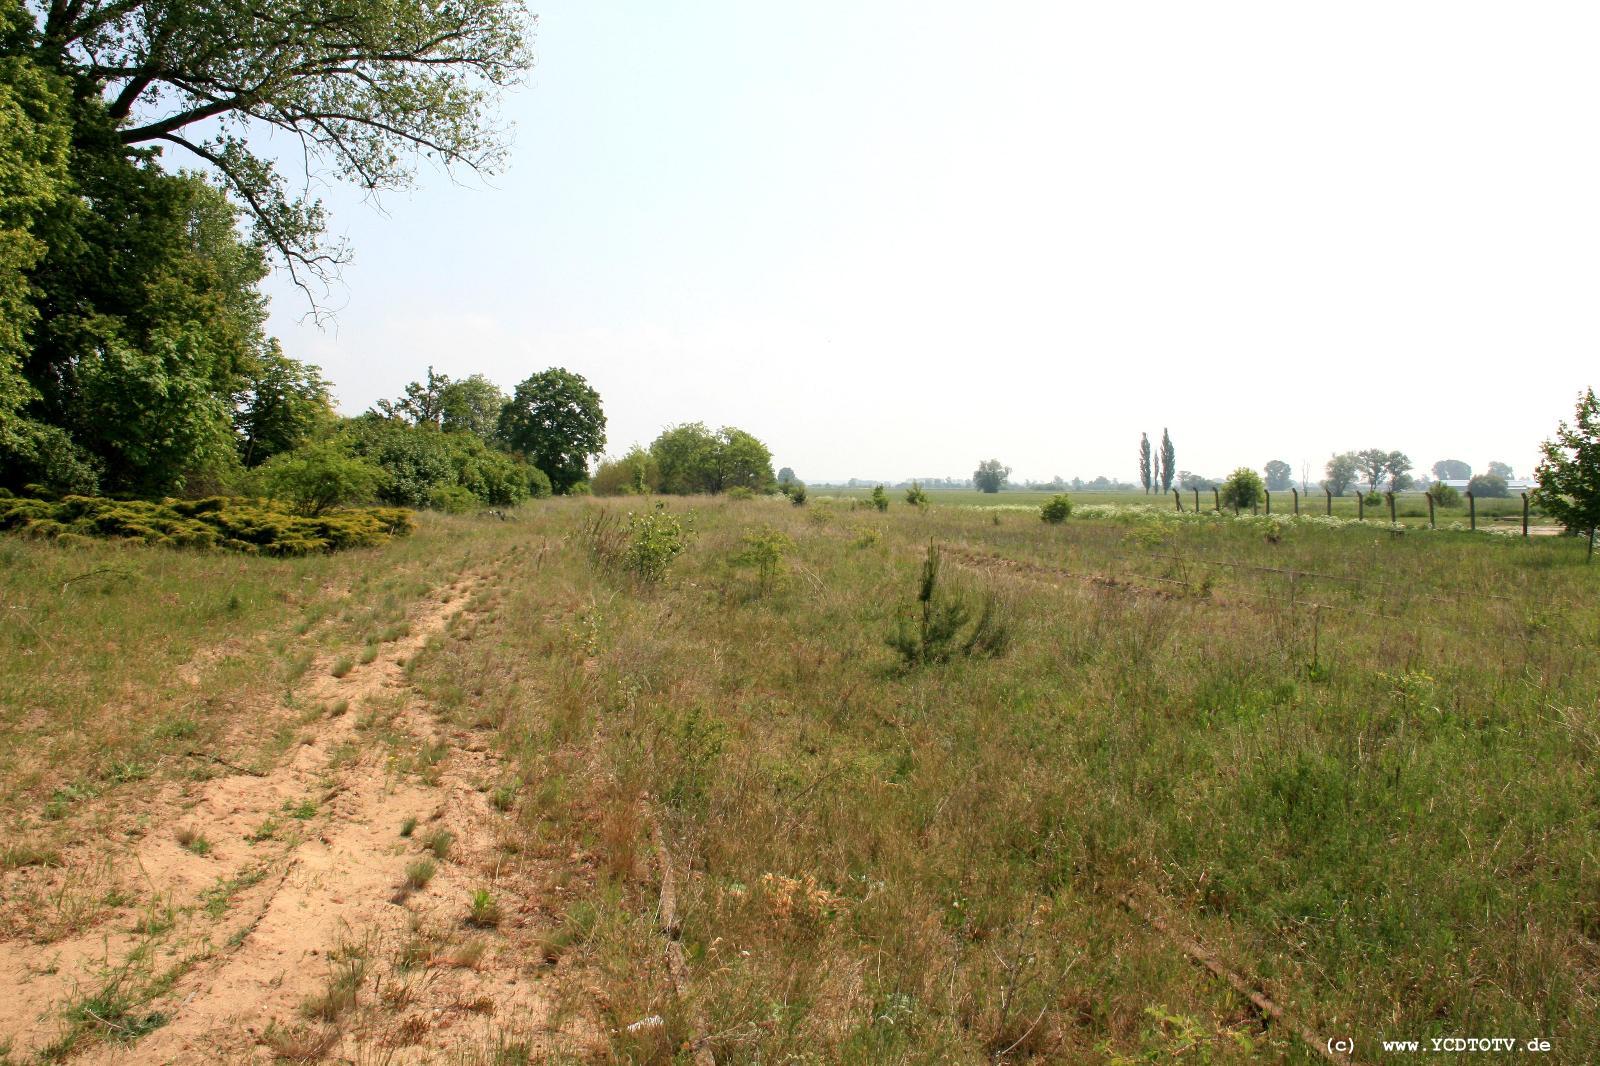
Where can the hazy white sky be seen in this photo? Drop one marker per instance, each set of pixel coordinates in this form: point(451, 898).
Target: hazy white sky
point(891, 239)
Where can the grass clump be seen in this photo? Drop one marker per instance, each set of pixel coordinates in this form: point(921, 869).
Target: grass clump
point(191, 839)
point(439, 842)
point(408, 826)
point(418, 874)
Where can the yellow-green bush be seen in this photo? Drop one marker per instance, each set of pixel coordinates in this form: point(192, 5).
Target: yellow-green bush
point(256, 527)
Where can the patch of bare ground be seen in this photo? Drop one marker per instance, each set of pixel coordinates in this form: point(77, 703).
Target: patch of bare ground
point(352, 901)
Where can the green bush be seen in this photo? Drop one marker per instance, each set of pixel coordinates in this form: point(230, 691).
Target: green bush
point(1485, 486)
point(763, 551)
point(740, 492)
point(316, 479)
point(916, 497)
point(453, 499)
point(1243, 490)
point(880, 498)
point(1445, 495)
point(797, 494)
point(655, 538)
point(1056, 509)
point(255, 527)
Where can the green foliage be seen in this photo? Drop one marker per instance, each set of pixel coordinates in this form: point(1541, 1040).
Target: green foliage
point(214, 522)
point(1280, 475)
point(990, 476)
point(1340, 473)
point(880, 498)
point(1452, 470)
point(316, 479)
point(916, 497)
point(363, 87)
point(1242, 491)
point(937, 627)
point(453, 499)
point(283, 404)
point(692, 459)
point(797, 493)
point(419, 461)
point(635, 474)
point(1056, 509)
point(763, 551)
point(1168, 458)
point(1569, 470)
point(1488, 486)
point(654, 539)
point(1445, 495)
point(556, 422)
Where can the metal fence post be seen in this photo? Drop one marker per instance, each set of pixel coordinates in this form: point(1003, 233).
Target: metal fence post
point(1472, 509)
point(1216, 498)
point(1178, 496)
point(1329, 491)
point(1296, 498)
point(1431, 523)
point(1197, 500)
point(1268, 494)
point(1392, 519)
point(1524, 516)
point(1361, 506)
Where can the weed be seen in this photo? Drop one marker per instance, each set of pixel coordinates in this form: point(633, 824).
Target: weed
point(438, 841)
point(342, 666)
point(299, 1043)
point(265, 831)
point(408, 826)
point(304, 810)
point(503, 798)
point(418, 874)
point(192, 839)
point(654, 539)
point(483, 910)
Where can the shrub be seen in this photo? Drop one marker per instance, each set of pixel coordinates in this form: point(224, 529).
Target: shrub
point(763, 551)
point(538, 482)
point(315, 479)
point(1488, 485)
point(1056, 509)
point(655, 538)
point(739, 492)
point(797, 494)
point(453, 499)
point(937, 627)
point(916, 497)
point(254, 527)
point(1445, 495)
point(1243, 489)
point(880, 498)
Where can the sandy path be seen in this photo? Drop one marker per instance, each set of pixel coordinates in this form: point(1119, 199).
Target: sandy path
point(315, 906)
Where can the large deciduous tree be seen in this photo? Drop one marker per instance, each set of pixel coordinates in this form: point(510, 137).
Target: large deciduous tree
point(1280, 475)
point(1340, 473)
point(1452, 470)
point(362, 88)
point(1569, 471)
point(555, 420)
point(991, 475)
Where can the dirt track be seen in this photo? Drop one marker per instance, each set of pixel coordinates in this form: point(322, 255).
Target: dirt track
point(290, 933)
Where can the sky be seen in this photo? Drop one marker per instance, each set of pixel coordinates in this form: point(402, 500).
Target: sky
point(893, 239)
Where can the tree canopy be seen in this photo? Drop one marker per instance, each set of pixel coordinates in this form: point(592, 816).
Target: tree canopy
point(1280, 475)
point(555, 420)
point(991, 475)
point(1569, 471)
point(361, 87)
point(693, 459)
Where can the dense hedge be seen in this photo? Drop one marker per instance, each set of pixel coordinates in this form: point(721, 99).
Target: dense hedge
point(252, 526)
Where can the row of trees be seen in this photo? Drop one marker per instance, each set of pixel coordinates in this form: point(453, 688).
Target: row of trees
point(690, 459)
point(1157, 469)
point(133, 355)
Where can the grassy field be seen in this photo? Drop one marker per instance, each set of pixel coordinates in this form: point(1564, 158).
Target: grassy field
point(1411, 508)
point(1352, 766)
